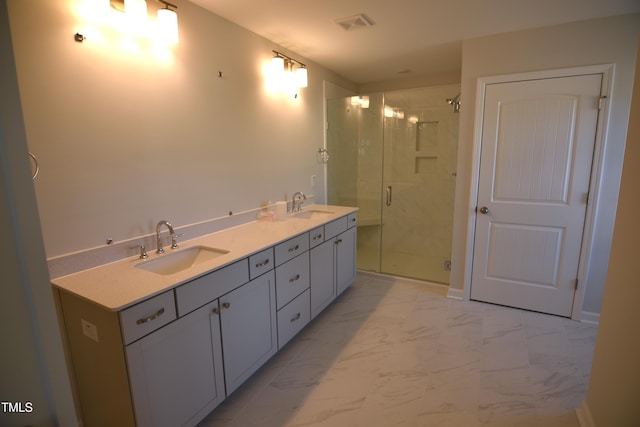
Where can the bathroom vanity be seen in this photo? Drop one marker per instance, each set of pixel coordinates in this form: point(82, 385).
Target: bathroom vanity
point(162, 342)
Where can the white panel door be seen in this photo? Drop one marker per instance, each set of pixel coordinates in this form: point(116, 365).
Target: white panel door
point(537, 148)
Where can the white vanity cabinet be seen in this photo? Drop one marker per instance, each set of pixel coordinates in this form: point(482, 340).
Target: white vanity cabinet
point(176, 374)
point(333, 263)
point(345, 259)
point(323, 289)
point(292, 286)
point(248, 324)
point(247, 313)
point(175, 354)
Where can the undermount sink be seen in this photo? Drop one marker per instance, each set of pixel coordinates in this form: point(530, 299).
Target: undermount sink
point(311, 213)
point(181, 260)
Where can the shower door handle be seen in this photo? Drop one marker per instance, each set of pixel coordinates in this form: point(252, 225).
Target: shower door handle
point(389, 195)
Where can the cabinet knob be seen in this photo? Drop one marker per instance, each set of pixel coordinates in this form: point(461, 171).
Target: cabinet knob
point(216, 310)
point(294, 318)
point(226, 305)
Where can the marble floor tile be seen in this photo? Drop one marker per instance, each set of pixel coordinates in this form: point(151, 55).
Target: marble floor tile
point(396, 352)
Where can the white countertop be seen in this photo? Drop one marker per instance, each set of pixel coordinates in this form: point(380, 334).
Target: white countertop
point(119, 284)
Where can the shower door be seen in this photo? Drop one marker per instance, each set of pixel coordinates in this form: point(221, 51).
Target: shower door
point(396, 160)
point(420, 148)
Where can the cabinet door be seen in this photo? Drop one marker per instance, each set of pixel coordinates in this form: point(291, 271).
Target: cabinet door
point(345, 259)
point(322, 280)
point(248, 323)
point(175, 373)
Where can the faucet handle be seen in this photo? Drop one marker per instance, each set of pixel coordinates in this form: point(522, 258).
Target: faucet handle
point(143, 252)
point(174, 240)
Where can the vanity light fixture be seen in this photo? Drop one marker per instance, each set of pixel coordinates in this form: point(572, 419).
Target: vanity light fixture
point(167, 20)
point(292, 72)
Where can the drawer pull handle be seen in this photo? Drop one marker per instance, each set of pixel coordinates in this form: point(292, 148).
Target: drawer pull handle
point(154, 316)
point(226, 305)
point(216, 310)
point(293, 279)
point(295, 248)
point(316, 237)
point(338, 241)
point(294, 318)
point(353, 220)
point(263, 263)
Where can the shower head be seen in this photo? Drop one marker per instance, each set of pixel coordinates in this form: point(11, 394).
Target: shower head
point(455, 101)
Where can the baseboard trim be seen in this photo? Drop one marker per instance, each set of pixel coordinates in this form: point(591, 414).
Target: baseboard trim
point(584, 415)
point(590, 317)
point(457, 294)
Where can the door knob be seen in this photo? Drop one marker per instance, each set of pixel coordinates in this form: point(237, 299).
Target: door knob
point(484, 210)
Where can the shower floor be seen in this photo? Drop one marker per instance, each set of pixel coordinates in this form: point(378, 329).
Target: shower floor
point(421, 267)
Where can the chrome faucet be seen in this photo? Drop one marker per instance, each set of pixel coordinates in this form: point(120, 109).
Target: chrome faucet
point(174, 244)
point(295, 207)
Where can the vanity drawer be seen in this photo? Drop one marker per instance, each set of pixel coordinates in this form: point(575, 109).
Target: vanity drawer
point(292, 318)
point(292, 278)
point(352, 219)
point(291, 248)
point(205, 289)
point(316, 236)
point(147, 316)
point(334, 228)
point(260, 263)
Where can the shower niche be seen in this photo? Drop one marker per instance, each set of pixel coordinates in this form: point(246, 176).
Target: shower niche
point(426, 147)
point(396, 161)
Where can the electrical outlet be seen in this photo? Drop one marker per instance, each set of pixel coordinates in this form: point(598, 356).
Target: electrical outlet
point(447, 265)
point(89, 329)
point(314, 181)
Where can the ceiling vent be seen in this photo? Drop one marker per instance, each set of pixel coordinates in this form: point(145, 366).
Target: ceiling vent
point(354, 22)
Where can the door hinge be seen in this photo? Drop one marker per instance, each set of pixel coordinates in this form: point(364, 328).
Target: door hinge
point(601, 98)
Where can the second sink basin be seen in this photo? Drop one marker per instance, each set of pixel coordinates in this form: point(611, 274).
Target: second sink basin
point(311, 213)
point(181, 260)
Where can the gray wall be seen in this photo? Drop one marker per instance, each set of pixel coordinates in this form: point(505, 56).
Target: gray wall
point(32, 365)
point(126, 138)
point(612, 399)
point(602, 41)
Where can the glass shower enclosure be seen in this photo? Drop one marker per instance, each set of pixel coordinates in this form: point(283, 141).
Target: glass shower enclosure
point(393, 155)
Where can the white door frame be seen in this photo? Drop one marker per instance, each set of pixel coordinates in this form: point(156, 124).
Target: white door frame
point(607, 71)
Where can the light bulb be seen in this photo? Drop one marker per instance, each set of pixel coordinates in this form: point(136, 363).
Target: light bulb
point(136, 9)
point(301, 77)
point(168, 26)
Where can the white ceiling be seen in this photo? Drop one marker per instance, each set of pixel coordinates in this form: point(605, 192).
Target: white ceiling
point(423, 36)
